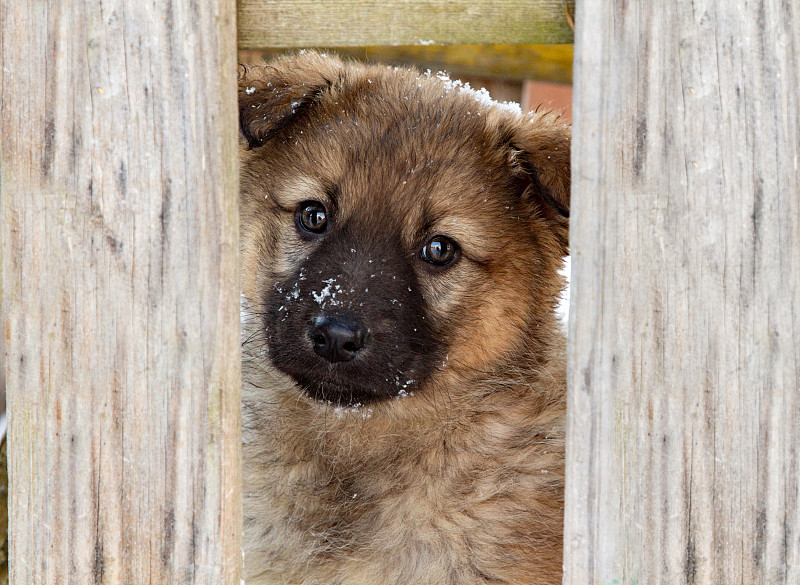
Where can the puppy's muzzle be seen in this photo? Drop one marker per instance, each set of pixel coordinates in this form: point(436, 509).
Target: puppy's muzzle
point(337, 339)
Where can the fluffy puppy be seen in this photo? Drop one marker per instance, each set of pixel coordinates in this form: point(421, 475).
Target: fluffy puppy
point(403, 366)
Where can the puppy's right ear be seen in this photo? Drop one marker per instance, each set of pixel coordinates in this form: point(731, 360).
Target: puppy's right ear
point(275, 95)
point(539, 152)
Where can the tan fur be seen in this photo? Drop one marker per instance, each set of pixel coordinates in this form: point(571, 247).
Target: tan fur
point(461, 482)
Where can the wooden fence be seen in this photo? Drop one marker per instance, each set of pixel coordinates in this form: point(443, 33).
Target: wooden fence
point(119, 282)
point(684, 357)
point(120, 291)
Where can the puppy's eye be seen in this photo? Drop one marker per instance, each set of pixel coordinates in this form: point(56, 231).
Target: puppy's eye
point(439, 251)
point(312, 217)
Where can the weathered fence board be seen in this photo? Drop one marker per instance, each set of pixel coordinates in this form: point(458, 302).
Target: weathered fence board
point(684, 429)
point(347, 23)
point(120, 290)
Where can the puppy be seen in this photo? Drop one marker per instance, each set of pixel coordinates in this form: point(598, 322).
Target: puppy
point(404, 377)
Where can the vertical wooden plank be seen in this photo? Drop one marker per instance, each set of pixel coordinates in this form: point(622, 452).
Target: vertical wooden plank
point(120, 290)
point(684, 369)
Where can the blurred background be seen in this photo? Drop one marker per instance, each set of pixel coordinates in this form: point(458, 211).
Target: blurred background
point(531, 75)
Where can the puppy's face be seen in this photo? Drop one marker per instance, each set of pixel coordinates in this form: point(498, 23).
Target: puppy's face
point(397, 233)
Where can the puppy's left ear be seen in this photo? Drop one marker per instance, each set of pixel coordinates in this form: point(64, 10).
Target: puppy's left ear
point(540, 154)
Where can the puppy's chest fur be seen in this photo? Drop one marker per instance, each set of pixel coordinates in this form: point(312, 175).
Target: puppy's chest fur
point(466, 494)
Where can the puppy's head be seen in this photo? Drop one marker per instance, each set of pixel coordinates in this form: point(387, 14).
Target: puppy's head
point(398, 230)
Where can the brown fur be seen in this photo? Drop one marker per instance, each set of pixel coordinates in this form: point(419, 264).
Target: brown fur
point(461, 480)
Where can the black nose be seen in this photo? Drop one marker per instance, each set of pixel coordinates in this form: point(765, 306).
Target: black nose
point(337, 339)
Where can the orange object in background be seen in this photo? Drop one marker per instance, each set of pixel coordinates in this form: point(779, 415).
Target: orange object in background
point(529, 94)
point(552, 96)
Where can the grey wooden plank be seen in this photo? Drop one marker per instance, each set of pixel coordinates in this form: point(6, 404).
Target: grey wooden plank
point(684, 400)
point(119, 290)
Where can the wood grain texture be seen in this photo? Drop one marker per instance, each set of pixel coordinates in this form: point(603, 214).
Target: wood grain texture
point(345, 23)
point(684, 371)
point(119, 227)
